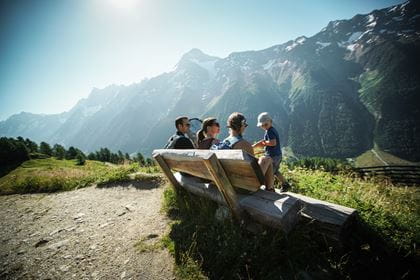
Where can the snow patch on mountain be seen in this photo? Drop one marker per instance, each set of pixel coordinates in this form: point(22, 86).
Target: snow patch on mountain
point(301, 40)
point(352, 47)
point(370, 18)
point(298, 41)
point(291, 47)
point(353, 37)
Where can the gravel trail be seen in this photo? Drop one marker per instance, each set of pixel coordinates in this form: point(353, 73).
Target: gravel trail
point(88, 233)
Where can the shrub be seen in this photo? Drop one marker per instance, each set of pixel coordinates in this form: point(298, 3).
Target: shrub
point(80, 159)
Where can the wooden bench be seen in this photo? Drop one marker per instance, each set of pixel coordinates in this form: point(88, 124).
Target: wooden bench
point(231, 170)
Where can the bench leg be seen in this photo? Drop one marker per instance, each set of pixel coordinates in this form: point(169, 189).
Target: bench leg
point(223, 184)
point(167, 171)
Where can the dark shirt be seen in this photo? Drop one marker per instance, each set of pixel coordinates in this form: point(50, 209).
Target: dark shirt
point(207, 143)
point(179, 142)
point(272, 151)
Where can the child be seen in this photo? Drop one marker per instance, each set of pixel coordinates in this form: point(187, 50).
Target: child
point(271, 144)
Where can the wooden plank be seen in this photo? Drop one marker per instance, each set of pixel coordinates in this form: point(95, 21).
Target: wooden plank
point(272, 209)
point(223, 184)
point(330, 218)
point(241, 168)
point(166, 170)
point(268, 208)
point(410, 167)
point(200, 188)
point(194, 167)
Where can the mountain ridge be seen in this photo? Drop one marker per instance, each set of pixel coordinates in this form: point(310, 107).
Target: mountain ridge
point(331, 94)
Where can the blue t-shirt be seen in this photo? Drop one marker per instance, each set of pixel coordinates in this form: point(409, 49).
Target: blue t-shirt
point(272, 151)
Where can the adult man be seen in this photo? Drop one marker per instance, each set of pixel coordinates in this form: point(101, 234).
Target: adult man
point(179, 140)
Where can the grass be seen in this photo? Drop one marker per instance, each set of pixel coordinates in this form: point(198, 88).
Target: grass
point(149, 243)
point(368, 158)
point(393, 213)
point(382, 245)
point(50, 175)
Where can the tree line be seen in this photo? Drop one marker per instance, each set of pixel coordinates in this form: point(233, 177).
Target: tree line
point(18, 150)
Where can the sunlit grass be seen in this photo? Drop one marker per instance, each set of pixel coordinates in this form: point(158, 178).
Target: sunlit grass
point(49, 175)
point(383, 242)
point(393, 212)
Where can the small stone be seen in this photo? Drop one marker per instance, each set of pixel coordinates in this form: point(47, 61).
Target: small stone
point(58, 244)
point(20, 252)
point(121, 213)
point(126, 261)
point(70, 228)
point(123, 275)
point(78, 216)
point(129, 208)
point(79, 257)
point(56, 231)
point(64, 268)
point(92, 247)
point(103, 225)
point(41, 242)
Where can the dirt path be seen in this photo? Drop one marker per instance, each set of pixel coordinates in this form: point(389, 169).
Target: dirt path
point(84, 234)
point(379, 157)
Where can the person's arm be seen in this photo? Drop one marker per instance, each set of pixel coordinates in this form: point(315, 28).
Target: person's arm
point(258, 144)
point(270, 143)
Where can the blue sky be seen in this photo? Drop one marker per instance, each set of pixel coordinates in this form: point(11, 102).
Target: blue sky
point(53, 52)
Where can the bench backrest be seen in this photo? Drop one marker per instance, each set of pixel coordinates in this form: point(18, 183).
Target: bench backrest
point(241, 168)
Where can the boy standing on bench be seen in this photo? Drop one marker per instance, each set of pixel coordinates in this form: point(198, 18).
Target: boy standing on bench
point(271, 144)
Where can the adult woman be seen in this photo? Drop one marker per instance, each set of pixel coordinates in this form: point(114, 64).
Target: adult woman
point(237, 125)
point(207, 135)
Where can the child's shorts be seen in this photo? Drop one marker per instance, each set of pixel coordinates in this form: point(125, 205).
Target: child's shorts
point(276, 164)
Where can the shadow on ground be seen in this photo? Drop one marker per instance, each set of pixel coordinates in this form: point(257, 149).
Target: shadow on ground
point(140, 185)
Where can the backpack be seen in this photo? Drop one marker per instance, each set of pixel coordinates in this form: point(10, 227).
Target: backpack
point(227, 144)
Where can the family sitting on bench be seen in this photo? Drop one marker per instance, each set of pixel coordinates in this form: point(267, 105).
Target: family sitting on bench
point(207, 139)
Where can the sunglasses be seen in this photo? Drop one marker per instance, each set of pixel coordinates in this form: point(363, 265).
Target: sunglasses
point(216, 124)
point(187, 124)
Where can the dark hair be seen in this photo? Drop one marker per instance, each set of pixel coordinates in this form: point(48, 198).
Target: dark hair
point(235, 121)
point(179, 120)
point(206, 123)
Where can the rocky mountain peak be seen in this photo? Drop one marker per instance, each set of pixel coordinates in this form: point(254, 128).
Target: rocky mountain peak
point(196, 55)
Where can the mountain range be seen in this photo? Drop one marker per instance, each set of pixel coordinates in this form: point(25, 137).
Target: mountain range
point(350, 87)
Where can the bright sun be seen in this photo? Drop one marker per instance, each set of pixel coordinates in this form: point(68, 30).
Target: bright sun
point(124, 4)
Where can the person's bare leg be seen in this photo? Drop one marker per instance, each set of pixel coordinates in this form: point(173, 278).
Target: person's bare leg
point(269, 177)
point(266, 165)
point(280, 177)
